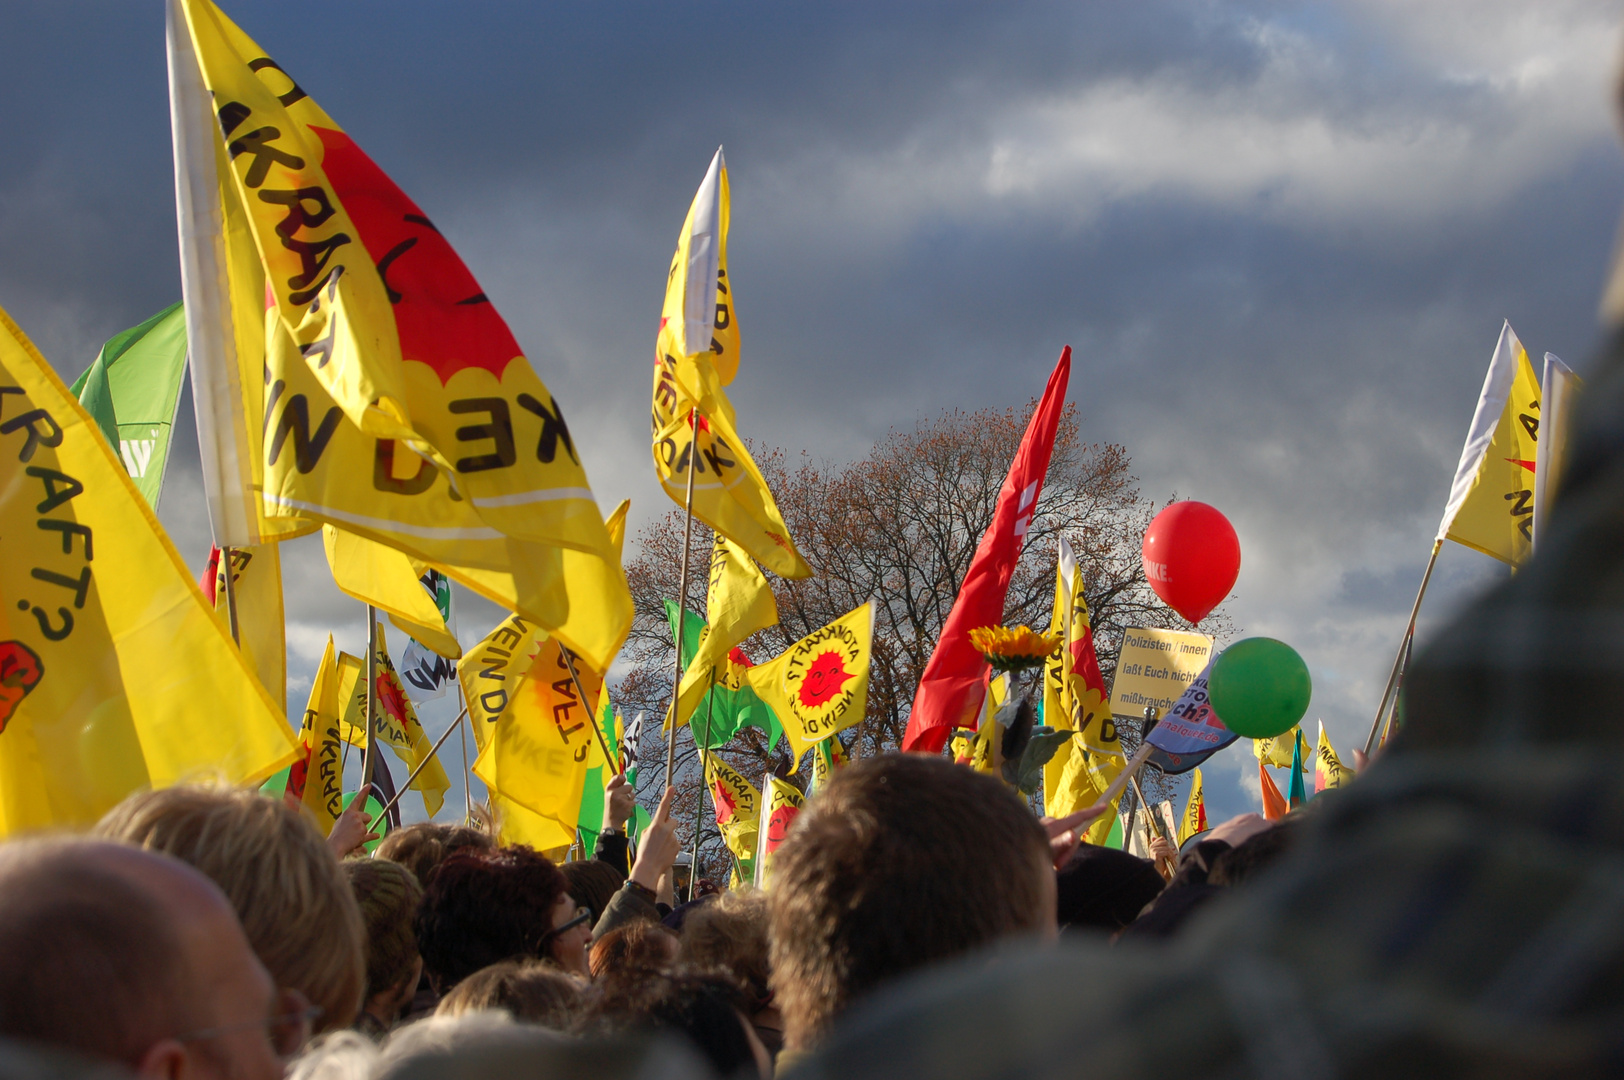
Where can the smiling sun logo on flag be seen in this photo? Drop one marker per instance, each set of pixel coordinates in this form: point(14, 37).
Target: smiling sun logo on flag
point(823, 680)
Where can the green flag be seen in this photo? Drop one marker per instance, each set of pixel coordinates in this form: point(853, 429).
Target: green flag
point(724, 709)
point(131, 390)
point(1299, 794)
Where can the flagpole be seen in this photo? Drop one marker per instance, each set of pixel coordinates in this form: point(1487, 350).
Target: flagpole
point(761, 827)
point(369, 673)
point(467, 776)
point(592, 721)
point(682, 594)
point(699, 804)
point(456, 725)
point(1156, 821)
point(1400, 661)
point(231, 595)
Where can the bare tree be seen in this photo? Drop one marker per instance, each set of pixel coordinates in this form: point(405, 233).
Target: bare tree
point(900, 526)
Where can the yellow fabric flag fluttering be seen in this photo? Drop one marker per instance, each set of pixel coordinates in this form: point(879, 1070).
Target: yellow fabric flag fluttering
point(115, 676)
point(396, 403)
point(1329, 772)
point(1491, 502)
point(1195, 811)
point(737, 804)
point(1087, 775)
point(317, 776)
point(1074, 697)
point(1277, 751)
point(398, 726)
point(695, 354)
point(783, 802)
point(738, 603)
point(819, 685)
point(541, 747)
point(256, 583)
point(490, 672)
point(385, 578)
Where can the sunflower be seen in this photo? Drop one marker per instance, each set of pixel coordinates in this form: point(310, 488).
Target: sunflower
point(1013, 650)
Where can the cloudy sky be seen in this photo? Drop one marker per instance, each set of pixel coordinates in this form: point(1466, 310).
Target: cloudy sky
point(1280, 237)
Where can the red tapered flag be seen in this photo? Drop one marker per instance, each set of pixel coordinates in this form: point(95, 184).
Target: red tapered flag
point(951, 689)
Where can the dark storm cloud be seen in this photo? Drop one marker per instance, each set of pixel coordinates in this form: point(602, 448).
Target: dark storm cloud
point(1281, 237)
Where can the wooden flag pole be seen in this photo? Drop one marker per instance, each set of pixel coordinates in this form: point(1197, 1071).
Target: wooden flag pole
point(682, 598)
point(1155, 819)
point(369, 673)
point(592, 720)
point(699, 804)
point(456, 725)
point(1400, 662)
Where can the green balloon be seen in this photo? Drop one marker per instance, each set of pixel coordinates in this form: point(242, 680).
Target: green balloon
point(1259, 687)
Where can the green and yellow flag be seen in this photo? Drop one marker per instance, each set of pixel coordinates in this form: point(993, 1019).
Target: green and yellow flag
point(1491, 502)
point(132, 389)
point(396, 403)
point(115, 677)
point(695, 354)
point(738, 603)
point(317, 776)
point(819, 685)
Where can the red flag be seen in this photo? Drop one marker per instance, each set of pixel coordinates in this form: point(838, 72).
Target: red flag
point(1274, 803)
point(950, 692)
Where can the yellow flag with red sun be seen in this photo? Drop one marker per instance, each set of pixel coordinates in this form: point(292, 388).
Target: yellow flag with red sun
point(819, 685)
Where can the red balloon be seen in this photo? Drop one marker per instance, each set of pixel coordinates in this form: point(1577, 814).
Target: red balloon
point(1192, 558)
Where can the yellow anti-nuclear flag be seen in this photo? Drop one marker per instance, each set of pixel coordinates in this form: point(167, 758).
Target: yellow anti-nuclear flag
point(783, 804)
point(490, 672)
point(398, 726)
point(819, 685)
point(397, 404)
point(256, 584)
point(695, 354)
point(738, 603)
point(1074, 697)
point(1195, 811)
point(1491, 502)
point(737, 804)
point(1329, 772)
point(493, 667)
point(317, 776)
point(385, 578)
point(1087, 776)
point(115, 676)
point(542, 745)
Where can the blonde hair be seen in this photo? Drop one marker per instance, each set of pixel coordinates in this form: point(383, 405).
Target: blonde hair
point(730, 933)
point(288, 889)
point(528, 990)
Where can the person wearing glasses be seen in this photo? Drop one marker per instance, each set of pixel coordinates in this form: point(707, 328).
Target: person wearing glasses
point(135, 957)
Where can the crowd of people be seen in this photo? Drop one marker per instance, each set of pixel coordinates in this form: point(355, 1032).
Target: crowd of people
point(212, 931)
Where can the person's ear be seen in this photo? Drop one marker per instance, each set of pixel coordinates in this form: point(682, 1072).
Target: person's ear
point(165, 1059)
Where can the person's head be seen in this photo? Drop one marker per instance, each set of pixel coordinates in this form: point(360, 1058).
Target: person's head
point(276, 869)
point(730, 933)
point(638, 946)
point(902, 860)
point(482, 907)
point(1255, 853)
point(703, 1009)
point(1104, 889)
point(528, 990)
point(136, 958)
point(422, 847)
point(592, 882)
point(388, 896)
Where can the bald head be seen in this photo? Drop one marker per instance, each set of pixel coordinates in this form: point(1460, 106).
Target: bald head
point(107, 949)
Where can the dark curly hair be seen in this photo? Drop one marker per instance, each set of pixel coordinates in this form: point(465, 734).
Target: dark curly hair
point(703, 1007)
point(483, 907)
